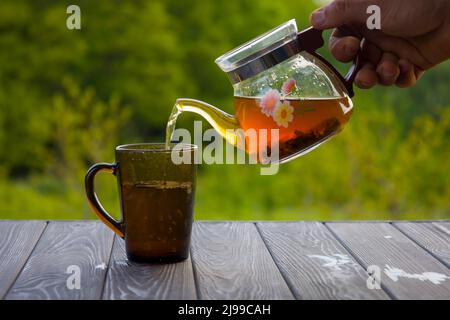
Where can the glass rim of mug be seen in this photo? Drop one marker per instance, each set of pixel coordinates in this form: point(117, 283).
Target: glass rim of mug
point(155, 147)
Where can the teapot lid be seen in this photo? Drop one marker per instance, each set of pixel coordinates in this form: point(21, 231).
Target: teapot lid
point(268, 50)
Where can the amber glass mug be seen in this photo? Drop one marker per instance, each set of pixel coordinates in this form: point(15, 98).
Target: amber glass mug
point(156, 198)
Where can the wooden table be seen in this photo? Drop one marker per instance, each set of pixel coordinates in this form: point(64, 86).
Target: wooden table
point(231, 260)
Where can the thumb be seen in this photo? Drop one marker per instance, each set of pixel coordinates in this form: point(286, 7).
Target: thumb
point(339, 13)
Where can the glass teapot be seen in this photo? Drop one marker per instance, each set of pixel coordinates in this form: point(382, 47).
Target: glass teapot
point(282, 88)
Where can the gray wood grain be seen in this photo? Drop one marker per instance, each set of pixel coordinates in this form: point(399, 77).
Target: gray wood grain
point(85, 244)
point(232, 262)
point(17, 240)
point(408, 271)
point(432, 236)
point(314, 263)
point(129, 280)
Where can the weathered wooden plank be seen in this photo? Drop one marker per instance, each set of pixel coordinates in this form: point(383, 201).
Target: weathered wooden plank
point(407, 270)
point(65, 250)
point(128, 280)
point(232, 262)
point(434, 237)
point(314, 263)
point(17, 239)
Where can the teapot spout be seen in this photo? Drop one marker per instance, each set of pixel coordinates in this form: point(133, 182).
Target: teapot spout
point(225, 124)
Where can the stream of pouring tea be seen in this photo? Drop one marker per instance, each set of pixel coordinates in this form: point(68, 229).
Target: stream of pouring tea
point(171, 123)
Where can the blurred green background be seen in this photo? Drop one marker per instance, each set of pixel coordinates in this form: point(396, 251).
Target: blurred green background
point(68, 97)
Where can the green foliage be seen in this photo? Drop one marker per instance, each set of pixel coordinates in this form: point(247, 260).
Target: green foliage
point(68, 97)
point(84, 129)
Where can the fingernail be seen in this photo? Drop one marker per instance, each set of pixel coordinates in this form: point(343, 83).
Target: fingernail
point(350, 50)
point(388, 73)
point(318, 18)
point(363, 84)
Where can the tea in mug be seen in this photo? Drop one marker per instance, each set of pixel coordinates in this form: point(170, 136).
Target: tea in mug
point(158, 220)
point(156, 200)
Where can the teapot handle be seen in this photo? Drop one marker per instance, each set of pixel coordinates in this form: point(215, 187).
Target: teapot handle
point(311, 39)
point(351, 75)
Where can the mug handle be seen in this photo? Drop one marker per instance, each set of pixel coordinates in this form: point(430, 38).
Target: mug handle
point(93, 201)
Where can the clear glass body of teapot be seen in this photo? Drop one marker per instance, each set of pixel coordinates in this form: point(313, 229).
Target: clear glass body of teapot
point(301, 98)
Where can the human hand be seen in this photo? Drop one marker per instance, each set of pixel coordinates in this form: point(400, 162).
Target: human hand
point(414, 36)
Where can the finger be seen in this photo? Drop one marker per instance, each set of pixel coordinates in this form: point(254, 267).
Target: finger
point(367, 76)
point(344, 49)
point(402, 48)
point(339, 13)
point(388, 69)
point(407, 77)
point(371, 53)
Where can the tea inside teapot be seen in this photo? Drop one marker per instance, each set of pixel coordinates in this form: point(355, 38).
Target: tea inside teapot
point(303, 123)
